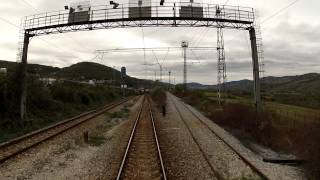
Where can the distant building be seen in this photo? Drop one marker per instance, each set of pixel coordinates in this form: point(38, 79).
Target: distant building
point(3, 70)
point(48, 81)
point(91, 82)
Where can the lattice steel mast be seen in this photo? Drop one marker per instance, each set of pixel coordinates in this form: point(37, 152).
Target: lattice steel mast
point(221, 65)
point(184, 45)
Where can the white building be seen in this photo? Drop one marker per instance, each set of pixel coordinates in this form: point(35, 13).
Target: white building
point(3, 70)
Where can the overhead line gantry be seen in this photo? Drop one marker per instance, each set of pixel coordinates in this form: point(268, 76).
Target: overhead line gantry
point(87, 18)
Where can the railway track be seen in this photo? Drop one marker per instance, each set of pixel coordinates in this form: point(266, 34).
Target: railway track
point(21, 144)
point(218, 174)
point(142, 158)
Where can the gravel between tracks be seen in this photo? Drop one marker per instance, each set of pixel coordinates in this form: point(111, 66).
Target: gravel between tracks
point(182, 158)
point(68, 157)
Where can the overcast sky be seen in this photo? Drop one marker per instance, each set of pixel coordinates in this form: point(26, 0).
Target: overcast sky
point(291, 42)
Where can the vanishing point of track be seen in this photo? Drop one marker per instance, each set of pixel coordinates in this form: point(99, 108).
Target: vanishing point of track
point(142, 158)
point(21, 144)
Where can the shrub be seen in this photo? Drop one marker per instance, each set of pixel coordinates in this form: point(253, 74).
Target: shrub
point(159, 96)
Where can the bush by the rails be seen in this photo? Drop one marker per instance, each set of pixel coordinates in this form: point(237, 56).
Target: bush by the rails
point(312, 152)
point(47, 104)
point(159, 96)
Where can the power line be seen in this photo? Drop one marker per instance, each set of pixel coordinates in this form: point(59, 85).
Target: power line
point(16, 26)
point(37, 10)
point(9, 22)
point(226, 2)
point(279, 11)
point(30, 5)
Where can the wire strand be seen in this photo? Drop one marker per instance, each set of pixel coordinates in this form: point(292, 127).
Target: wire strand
point(279, 11)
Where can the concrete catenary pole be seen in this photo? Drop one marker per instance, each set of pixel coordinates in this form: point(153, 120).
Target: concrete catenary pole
point(23, 76)
point(169, 81)
point(255, 62)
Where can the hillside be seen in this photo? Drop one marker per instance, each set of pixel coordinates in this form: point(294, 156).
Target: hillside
point(87, 71)
point(306, 83)
point(32, 68)
point(79, 71)
point(301, 90)
point(194, 85)
point(90, 70)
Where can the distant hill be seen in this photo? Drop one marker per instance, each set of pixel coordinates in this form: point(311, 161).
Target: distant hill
point(300, 83)
point(87, 71)
point(194, 85)
point(302, 90)
point(79, 71)
point(32, 68)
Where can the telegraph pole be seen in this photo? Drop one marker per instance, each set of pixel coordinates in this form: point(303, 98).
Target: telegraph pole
point(184, 45)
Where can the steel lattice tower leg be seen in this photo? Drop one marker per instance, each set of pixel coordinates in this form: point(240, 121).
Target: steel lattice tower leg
point(184, 45)
point(221, 66)
point(185, 68)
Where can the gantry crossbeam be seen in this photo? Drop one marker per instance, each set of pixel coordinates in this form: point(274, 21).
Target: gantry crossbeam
point(132, 15)
point(105, 17)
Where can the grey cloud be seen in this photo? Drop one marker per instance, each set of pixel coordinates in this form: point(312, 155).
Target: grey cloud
point(287, 45)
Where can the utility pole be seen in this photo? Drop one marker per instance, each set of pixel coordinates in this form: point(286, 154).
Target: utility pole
point(184, 45)
point(169, 80)
point(255, 62)
point(113, 76)
point(160, 72)
point(23, 76)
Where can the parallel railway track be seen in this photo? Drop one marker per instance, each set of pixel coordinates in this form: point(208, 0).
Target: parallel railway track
point(218, 175)
point(142, 158)
point(21, 144)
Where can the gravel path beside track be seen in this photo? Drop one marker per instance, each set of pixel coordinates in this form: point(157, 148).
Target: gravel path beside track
point(225, 161)
point(182, 158)
point(270, 170)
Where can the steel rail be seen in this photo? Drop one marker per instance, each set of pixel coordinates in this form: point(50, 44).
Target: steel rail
point(157, 142)
point(91, 114)
point(254, 168)
point(124, 159)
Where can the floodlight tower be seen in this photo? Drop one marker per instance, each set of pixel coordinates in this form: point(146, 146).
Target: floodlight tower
point(184, 45)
